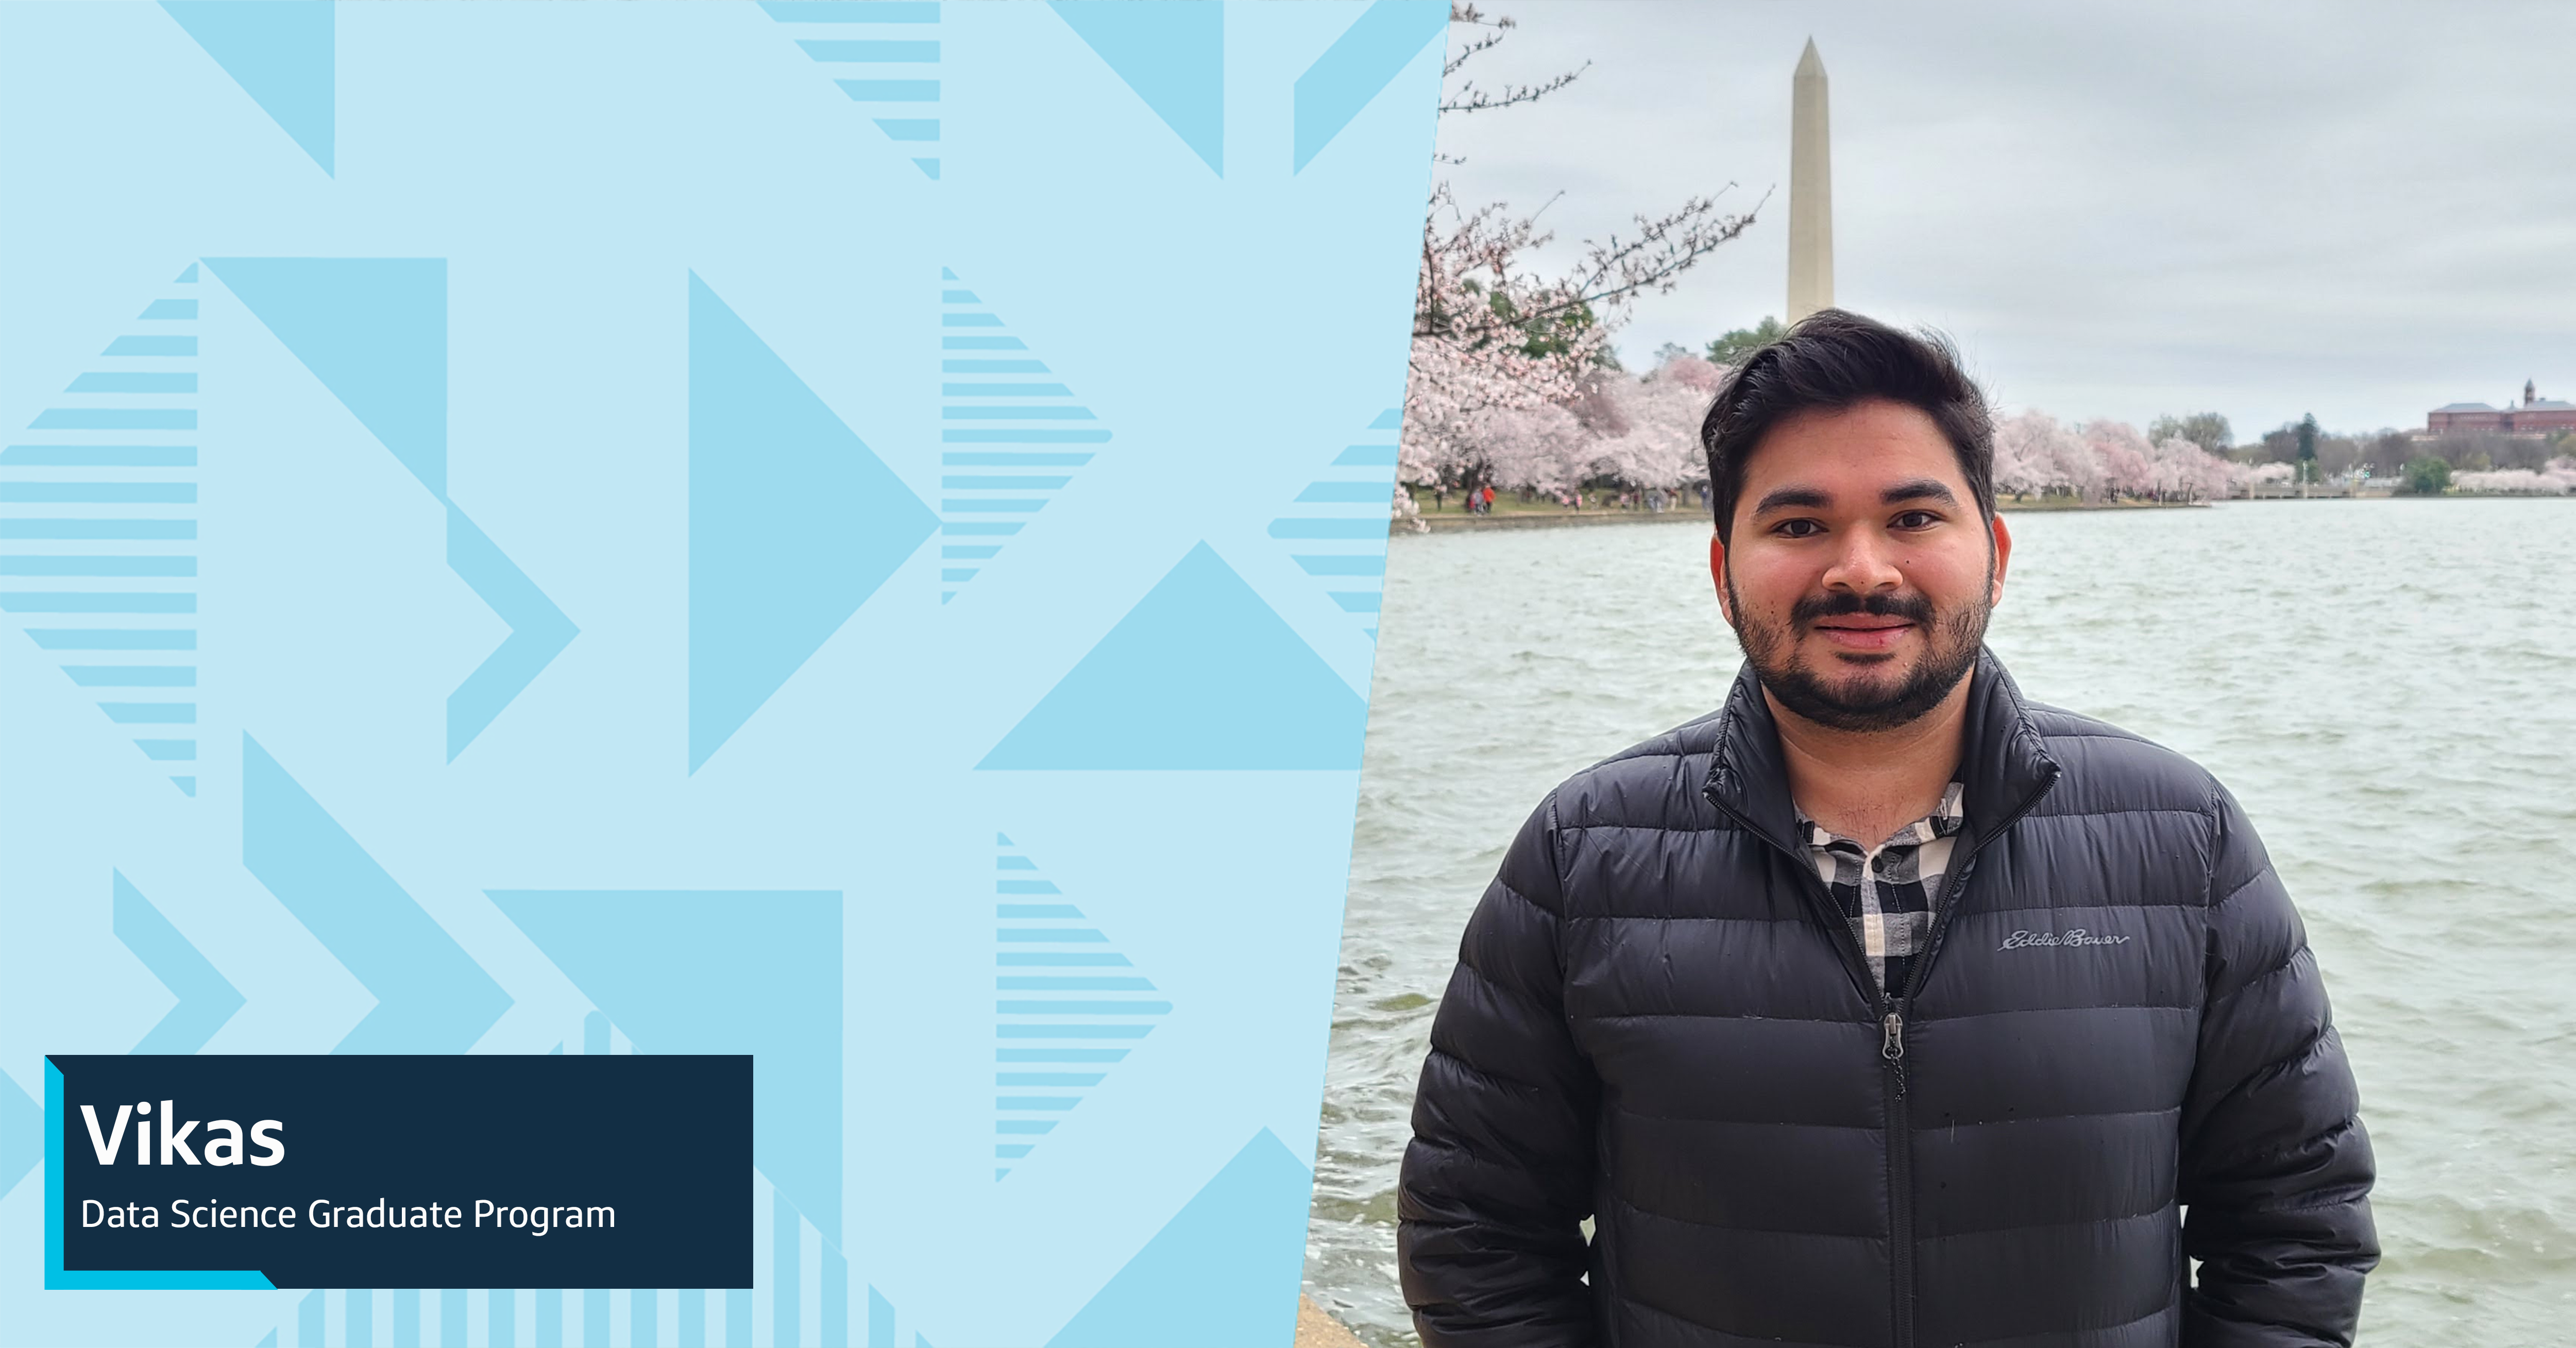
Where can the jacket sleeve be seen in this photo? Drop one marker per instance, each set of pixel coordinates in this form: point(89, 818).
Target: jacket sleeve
point(1498, 1178)
point(2275, 1167)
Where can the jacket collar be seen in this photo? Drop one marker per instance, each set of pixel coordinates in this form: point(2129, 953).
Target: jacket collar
point(2003, 765)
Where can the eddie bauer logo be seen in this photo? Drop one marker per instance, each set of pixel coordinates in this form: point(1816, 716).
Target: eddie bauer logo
point(2071, 936)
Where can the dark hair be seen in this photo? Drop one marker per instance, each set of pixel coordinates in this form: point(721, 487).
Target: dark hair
point(1830, 361)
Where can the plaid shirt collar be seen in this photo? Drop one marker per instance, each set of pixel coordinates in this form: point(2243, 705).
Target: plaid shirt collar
point(1944, 821)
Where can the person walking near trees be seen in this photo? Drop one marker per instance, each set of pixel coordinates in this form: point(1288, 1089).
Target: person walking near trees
point(1884, 1006)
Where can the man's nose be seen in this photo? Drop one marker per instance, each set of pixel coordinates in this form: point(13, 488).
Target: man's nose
point(1865, 563)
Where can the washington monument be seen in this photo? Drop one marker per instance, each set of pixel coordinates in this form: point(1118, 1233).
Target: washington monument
point(1811, 191)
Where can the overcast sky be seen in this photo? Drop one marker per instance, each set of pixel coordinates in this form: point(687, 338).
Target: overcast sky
point(2361, 210)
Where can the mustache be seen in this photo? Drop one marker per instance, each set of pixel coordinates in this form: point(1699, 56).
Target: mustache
point(1912, 607)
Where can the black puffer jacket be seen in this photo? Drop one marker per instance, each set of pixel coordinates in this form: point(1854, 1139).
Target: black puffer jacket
point(1659, 1020)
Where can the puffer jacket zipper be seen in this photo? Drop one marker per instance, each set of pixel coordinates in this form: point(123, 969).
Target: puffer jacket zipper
point(1893, 1009)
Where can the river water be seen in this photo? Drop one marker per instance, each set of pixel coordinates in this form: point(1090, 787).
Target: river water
point(2387, 686)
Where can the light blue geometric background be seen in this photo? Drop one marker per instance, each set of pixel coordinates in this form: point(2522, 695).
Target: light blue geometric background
point(849, 532)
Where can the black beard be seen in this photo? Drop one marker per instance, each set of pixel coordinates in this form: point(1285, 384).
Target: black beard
point(1953, 642)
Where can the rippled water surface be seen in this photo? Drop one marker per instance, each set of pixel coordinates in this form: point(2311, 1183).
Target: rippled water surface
point(2388, 686)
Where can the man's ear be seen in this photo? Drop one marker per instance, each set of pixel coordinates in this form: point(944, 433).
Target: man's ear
point(2003, 558)
point(1717, 574)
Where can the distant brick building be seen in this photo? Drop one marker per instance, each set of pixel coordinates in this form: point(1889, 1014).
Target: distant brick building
point(2535, 415)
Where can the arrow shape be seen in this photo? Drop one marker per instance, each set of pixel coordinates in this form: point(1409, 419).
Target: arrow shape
point(431, 997)
point(206, 998)
point(538, 631)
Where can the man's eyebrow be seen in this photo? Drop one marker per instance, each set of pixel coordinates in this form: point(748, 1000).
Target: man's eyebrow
point(1920, 489)
point(1792, 498)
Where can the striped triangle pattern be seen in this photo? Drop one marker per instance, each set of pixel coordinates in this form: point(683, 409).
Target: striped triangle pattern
point(1336, 528)
point(884, 54)
point(1068, 1006)
point(98, 531)
point(1010, 435)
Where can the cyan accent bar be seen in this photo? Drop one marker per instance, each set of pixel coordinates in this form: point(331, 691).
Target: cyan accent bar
point(1004, 458)
point(1012, 863)
point(170, 309)
point(1025, 887)
point(908, 128)
point(969, 321)
point(503, 1331)
point(1025, 1127)
point(1058, 412)
point(151, 346)
point(890, 91)
point(958, 297)
point(98, 528)
point(151, 713)
point(983, 505)
point(1358, 601)
point(1073, 1031)
point(1066, 959)
point(957, 573)
point(98, 566)
point(103, 381)
point(1005, 391)
point(594, 1311)
point(1331, 565)
point(1049, 1078)
point(1048, 1102)
point(871, 49)
point(308, 1318)
point(114, 638)
point(974, 529)
point(28, 602)
point(100, 456)
point(1004, 1150)
point(852, 11)
point(549, 1303)
point(969, 551)
point(1058, 1054)
point(1021, 1008)
point(114, 419)
point(1065, 934)
point(1023, 437)
point(1366, 456)
point(1070, 983)
point(145, 493)
point(993, 366)
point(969, 482)
point(133, 676)
point(169, 751)
point(451, 1312)
point(982, 344)
point(1345, 493)
point(1315, 528)
point(1036, 910)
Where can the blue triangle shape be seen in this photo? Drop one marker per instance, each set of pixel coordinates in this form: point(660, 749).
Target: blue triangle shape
point(281, 54)
point(1172, 53)
point(721, 971)
point(22, 1134)
point(1224, 1270)
point(1175, 684)
point(189, 276)
point(793, 522)
point(373, 330)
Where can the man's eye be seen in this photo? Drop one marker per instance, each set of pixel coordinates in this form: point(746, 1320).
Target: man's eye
point(1917, 519)
point(1798, 528)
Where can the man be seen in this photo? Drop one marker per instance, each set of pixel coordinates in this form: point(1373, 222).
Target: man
point(1882, 1007)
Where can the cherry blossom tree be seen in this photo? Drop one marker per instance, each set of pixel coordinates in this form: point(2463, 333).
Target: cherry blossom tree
point(1491, 334)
